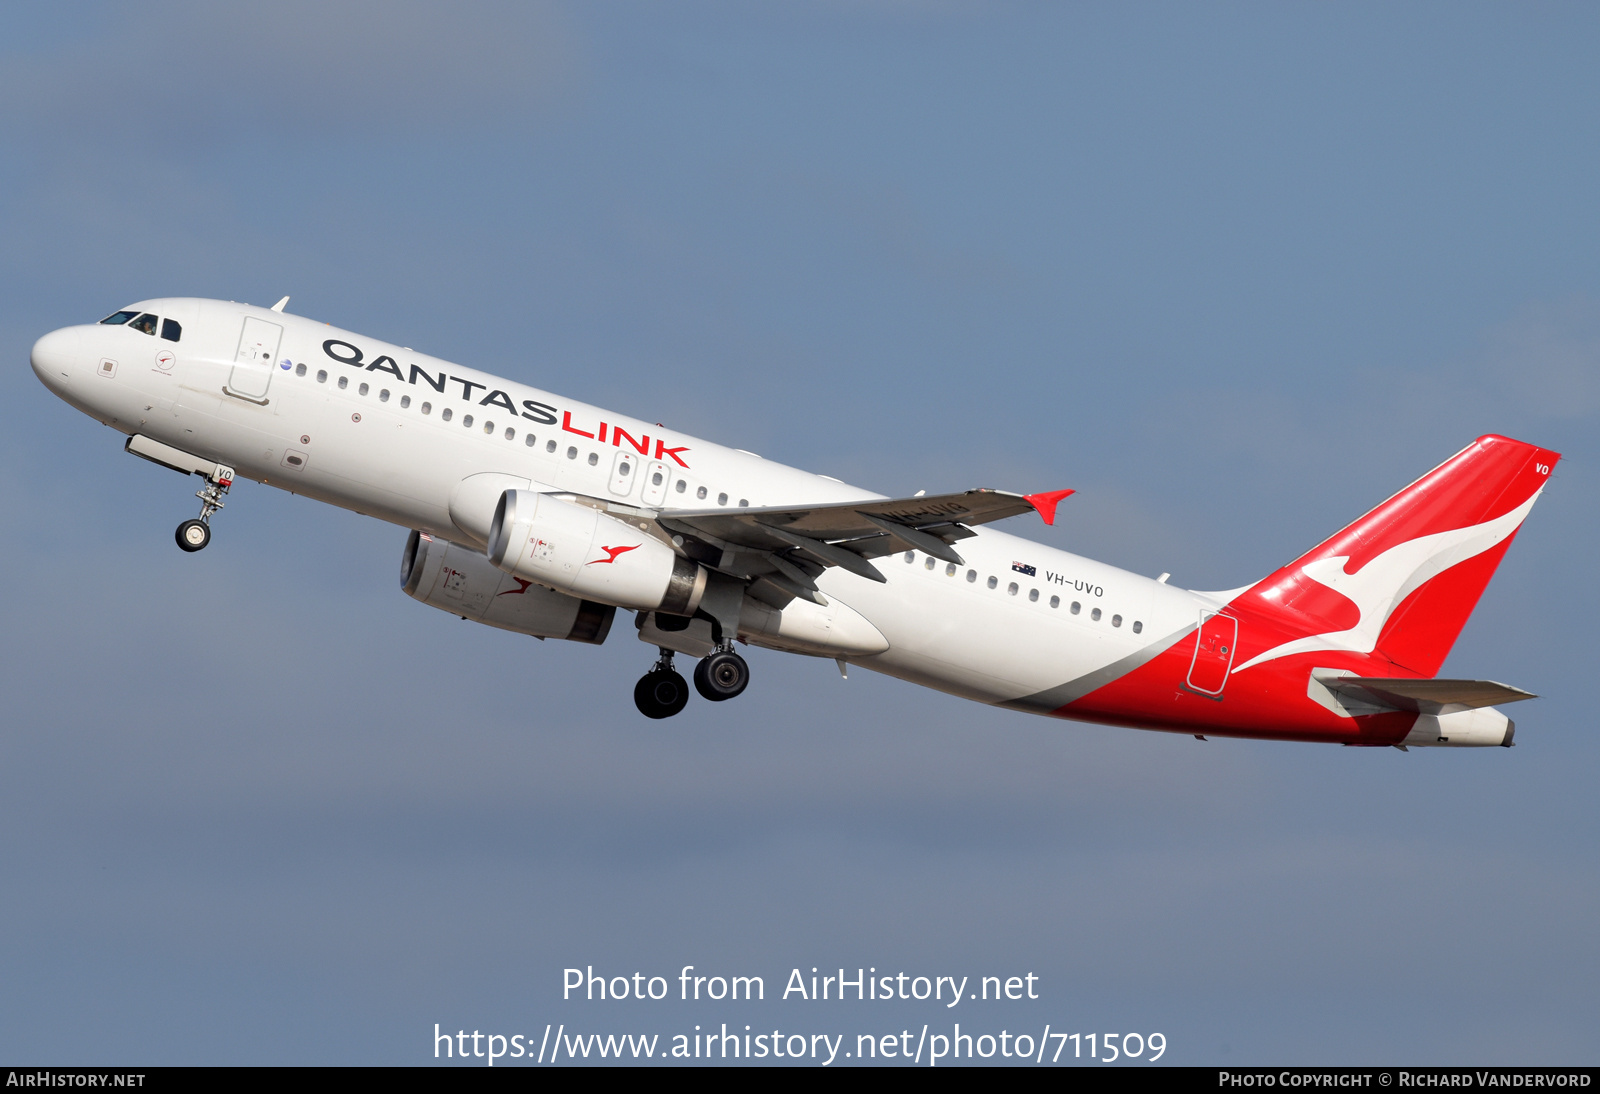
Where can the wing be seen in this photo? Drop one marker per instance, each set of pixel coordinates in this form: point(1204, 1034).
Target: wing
point(787, 548)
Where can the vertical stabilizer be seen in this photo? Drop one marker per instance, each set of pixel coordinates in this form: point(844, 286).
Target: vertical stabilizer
point(1399, 583)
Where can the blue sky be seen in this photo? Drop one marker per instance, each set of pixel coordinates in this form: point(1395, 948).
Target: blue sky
point(1235, 272)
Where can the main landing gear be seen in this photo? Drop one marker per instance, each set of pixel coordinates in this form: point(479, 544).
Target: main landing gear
point(193, 535)
point(661, 692)
point(721, 675)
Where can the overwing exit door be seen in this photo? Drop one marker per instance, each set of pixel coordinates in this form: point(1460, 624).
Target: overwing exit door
point(656, 477)
point(252, 364)
point(1214, 643)
point(623, 471)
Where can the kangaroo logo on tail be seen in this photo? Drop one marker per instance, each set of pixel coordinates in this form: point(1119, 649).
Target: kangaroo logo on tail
point(1385, 581)
point(1398, 584)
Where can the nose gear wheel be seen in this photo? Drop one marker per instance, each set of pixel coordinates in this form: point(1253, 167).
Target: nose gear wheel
point(193, 535)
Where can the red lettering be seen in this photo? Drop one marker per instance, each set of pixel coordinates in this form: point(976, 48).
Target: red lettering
point(602, 432)
point(640, 446)
point(566, 423)
point(661, 447)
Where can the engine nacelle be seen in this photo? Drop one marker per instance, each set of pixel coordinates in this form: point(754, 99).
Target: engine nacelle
point(582, 551)
point(462, 582)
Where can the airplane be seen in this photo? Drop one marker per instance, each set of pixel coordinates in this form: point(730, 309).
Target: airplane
point(538, 514)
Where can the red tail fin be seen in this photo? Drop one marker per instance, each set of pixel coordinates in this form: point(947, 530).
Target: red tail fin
point(1399, 583)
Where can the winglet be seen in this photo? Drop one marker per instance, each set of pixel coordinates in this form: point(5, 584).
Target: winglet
point(1046, 503)
point(279, 305)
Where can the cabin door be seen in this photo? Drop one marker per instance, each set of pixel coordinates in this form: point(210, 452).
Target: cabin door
point(252, 364)
point(1214, 643)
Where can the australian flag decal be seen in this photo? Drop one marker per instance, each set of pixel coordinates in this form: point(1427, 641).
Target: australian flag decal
point(1024, 568)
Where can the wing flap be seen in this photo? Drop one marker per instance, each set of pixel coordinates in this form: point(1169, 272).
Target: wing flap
point(853, 519)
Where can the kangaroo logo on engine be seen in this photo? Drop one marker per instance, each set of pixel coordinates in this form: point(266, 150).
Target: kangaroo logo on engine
point(612, 553)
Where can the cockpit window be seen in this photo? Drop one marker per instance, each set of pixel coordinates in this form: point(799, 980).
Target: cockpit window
point(145, 323)
point(171, 330)
point(118, 319)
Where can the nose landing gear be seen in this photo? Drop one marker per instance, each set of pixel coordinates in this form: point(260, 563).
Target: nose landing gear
point(193, 535)
point(661, 692)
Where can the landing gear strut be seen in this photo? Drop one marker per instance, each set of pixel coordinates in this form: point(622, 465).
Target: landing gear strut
point(193, 535)
point(661, 692)
point(722, 675)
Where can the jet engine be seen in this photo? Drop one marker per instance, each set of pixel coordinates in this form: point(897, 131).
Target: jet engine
point(461, 581)
point(582, 551)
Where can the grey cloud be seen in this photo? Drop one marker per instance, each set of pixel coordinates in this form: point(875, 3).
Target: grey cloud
point(172, 73)
point(1547, 358)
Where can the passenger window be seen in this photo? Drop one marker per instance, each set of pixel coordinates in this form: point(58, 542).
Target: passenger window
point(1011, 589)
point(950, 570)
point(511, 435)
point(701, 493)
point(171, 330)
point(744, 503)
point(1137, 626)
point(1095, 615)
point(344, 382)
point(446, 413)
point(682, 486)
point(531, 440)
point(655, 480)
point(911, 556)
point(994, 582)
point(594, 458)
point(466, 421)
point(488, 429)
point(383, 396)
point(118, 319)
point(549, 446)
point(405, 402)
point(145, 324)
point(322, 375)
point(300, 369)
point(624, 468)
point(1033, 595)
point(427, 408)
point(1076, 607)
point(1055, 602)
point(363, 389)
point(928, 565)
point(972, 575)
point(1116, 621)
point(722, 499)
point(572, 453)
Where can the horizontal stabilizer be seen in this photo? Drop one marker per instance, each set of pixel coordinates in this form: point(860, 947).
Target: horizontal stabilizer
point(1420, 696)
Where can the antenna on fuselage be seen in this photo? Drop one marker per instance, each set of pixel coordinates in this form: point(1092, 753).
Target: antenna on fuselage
point(279, 305)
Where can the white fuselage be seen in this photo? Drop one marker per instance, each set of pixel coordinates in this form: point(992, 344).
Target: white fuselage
point(394, 434)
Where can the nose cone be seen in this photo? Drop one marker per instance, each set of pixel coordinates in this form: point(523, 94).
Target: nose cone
point(57, 356)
